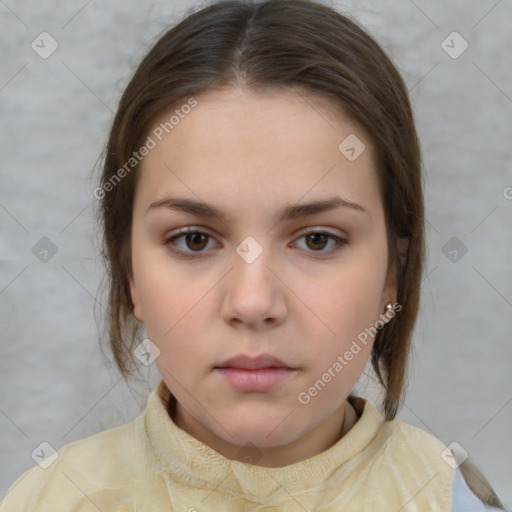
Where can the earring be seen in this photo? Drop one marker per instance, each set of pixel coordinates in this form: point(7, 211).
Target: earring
point(389, 307)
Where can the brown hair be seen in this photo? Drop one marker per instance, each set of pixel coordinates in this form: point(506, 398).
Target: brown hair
point(274, 44)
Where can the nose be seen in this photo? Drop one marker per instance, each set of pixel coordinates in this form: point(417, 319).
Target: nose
point(254, 293)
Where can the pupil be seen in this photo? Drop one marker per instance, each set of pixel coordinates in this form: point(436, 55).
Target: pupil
point(315, 235)
point(193, 235)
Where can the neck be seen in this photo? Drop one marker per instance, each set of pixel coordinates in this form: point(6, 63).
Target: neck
point(310, 444)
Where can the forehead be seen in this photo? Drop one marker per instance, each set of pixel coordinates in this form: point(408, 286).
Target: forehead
point(271, 144)
point(255, 117)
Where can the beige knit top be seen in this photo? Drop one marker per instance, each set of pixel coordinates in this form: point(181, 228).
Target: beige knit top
point(151, 465)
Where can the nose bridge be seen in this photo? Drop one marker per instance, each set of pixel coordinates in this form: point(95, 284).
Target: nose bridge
point(253, 290)
point(250, 250)
point(252, 259)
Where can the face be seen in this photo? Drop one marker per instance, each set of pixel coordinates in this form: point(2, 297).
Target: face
point(301, 288)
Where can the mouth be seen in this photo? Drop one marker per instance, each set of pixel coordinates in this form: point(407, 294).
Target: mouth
point(254, 374)
point(254, 381)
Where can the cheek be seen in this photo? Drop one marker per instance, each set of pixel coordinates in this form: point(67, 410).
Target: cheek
point(169, 305)
point(348, 306)
point(175, 312)
point(172, 322)
point(158, 291)
point(349, 301)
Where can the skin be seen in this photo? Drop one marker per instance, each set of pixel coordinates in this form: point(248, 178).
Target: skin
point(301, 300)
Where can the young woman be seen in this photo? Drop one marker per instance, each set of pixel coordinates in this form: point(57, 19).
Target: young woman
point(263, 220)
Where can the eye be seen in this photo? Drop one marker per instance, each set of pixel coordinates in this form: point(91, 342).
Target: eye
point(317, 240)
point(196, 241)
point(193, 239)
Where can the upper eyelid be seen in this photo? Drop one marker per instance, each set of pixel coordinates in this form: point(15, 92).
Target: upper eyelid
point(205, 231)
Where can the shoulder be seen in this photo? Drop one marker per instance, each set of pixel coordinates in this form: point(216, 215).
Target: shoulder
point(100, 468)
point(470, 491)
point(417, 443)
point(405, 463)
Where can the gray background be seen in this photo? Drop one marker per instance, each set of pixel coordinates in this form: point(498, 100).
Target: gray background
point(55, 384)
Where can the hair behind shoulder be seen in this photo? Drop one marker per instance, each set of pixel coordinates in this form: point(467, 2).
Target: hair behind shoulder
point(479, 485)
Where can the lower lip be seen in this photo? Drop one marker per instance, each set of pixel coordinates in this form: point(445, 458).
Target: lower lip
point(258, 380)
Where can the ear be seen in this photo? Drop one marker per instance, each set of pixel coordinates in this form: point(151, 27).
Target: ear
point(137, 310)
point(402, 245)
point(390, 292)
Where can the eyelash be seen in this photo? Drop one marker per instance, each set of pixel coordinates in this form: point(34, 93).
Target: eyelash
point(340, 242)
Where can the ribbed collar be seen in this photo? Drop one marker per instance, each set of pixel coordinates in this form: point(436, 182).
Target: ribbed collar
point(191, 462)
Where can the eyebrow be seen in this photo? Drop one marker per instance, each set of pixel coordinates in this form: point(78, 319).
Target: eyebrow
point(292, 211)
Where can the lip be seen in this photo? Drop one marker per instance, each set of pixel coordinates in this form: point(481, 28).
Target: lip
point(247, 362)
point(254, 381)
point(254, 374)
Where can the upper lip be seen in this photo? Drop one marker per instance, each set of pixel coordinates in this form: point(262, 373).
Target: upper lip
point(253, 363)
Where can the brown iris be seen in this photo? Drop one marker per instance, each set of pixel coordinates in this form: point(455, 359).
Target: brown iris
point(196, 238)
point(315, 237)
